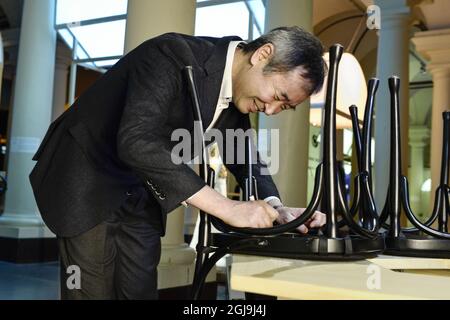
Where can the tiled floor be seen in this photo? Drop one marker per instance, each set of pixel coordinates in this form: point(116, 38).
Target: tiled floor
point(40, 281)
point(36, 281)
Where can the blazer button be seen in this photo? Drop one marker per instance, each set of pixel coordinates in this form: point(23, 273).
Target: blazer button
point(162, 196)
point(157, 192)
point(128, 193)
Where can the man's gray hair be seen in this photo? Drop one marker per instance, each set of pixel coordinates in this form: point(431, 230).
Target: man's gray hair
point(294, 47)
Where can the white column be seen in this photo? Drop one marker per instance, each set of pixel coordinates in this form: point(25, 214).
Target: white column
point(31, 116)
point(148, 19)
point(292, 176)
point(435, 46)
point(418, 139)
point(393, 59)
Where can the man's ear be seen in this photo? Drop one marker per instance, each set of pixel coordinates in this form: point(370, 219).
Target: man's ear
point(262, 54)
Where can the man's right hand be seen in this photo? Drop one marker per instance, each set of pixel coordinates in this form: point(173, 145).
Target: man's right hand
point(251, 214)
point(240, 214)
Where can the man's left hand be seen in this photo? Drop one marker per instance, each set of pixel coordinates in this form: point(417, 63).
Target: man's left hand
point(287, 214)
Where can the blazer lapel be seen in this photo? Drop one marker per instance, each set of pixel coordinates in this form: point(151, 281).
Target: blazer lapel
point(212, 79)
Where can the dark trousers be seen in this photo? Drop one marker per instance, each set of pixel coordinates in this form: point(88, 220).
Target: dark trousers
point(116, 259)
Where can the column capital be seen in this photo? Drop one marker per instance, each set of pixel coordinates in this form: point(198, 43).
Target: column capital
point(394, 14)
point(439, 70)
point(434, 45)
point(393, 7)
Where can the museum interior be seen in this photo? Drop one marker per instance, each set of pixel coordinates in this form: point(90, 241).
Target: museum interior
point(379, 172)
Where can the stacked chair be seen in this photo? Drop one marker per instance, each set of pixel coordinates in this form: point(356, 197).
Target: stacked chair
point(352, 232)
point(422, 240)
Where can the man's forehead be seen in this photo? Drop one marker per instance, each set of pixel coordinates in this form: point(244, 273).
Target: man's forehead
point(296, 86)
point(291, 90)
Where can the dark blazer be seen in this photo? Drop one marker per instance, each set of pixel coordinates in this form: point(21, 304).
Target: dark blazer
point(117, 134)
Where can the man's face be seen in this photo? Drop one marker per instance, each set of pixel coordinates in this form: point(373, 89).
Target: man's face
point(254, 91)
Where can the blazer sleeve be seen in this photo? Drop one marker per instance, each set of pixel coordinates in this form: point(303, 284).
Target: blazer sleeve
point(143, 140)
point(266, 186)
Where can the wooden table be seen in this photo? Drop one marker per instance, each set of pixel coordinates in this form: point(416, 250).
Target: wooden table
point(384, 277)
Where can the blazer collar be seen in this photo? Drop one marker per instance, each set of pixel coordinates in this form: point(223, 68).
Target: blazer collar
point(216, 62)
point(214, 68)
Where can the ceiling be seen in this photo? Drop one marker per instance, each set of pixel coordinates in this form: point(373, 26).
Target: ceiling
point(324, 9)
point(332, 19)
point(434, 14)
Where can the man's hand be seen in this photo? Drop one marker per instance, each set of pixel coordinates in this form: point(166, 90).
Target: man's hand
point(242, 214)
point(287, 214)
point(251, 214)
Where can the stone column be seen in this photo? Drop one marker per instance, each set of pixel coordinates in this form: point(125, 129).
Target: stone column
point(292, 176)
point(418, 138)
point(148, 19)
point(435, 46)
point(393, 59)
point(31, 116)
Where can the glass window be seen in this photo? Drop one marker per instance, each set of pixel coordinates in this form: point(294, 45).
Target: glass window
point(259, 14)
point(67, 37)
point(256, 33)
point(223, 20)
point(106, 63)
point(81, 52)
point(101, 39)
point(79, 10)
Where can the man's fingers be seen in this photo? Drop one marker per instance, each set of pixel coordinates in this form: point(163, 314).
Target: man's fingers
point(319, 219)
point(273, 214)
point(324, 219)
point(297, 213)
point(303, 229)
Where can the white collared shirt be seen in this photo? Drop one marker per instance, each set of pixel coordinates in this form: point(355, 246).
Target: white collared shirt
point(226, 88)
point(225, 97)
